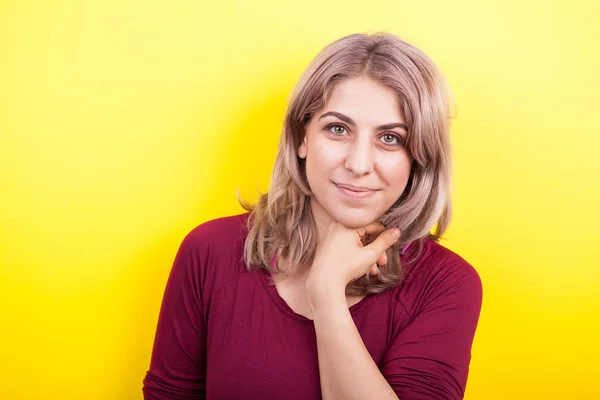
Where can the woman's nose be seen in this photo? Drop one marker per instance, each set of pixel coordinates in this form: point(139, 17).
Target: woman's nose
point(359, 159)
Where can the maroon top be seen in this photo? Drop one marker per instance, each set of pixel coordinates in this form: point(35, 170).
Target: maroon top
point(224, 333)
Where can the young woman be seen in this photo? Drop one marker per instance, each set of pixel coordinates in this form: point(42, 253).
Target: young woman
point(332, 286)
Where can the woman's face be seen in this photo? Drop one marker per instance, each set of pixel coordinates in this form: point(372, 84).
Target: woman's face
point(356, 162)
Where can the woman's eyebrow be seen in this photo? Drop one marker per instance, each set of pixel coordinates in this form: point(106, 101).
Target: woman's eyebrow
point(351, 122)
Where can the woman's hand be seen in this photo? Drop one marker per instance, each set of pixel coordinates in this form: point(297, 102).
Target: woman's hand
point(342, 257)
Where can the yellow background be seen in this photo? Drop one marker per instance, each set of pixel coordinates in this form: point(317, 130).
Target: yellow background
point(126, 123)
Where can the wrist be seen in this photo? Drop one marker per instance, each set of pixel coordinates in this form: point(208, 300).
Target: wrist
point(330, 311)
point(325, 295)
point(322, 280)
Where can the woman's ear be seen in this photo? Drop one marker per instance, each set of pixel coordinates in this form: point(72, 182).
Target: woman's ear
point(302, 149)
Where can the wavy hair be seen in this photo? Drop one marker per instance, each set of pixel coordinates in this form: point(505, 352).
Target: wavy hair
point(281, 222)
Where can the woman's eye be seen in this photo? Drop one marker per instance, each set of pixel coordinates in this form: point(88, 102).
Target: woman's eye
point(390, 139)
point(336, 129)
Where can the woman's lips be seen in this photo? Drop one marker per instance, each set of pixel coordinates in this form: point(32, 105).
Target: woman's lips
point(355, 194)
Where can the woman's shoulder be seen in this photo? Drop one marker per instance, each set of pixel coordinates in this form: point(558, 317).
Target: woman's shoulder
point(216, 242)
point(434, 260)
point(435, 274)
point(223, 233)
point(211, 254)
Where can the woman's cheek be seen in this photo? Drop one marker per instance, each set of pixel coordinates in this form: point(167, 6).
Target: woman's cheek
point(330, 152)
point(396, 164)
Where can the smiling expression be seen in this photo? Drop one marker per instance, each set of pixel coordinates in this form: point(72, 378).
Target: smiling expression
point(357, 164)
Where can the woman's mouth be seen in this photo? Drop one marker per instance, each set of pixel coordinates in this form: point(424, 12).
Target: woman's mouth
point(355, 192)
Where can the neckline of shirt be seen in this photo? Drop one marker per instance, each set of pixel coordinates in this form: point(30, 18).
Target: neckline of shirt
point(266, 278)
point(271, 289)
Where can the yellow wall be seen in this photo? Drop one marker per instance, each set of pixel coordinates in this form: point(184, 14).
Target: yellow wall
point(125, 123)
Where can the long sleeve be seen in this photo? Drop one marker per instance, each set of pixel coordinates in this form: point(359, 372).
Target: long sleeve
point(178, 363)
point(429, 357)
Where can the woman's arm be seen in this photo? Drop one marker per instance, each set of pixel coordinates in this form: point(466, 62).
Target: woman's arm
point(429, 357)
point(178, 363)
point(346, 368)
point(426, 359)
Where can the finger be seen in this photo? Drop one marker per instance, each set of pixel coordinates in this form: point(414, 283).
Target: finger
point(385, 239)
point(382, 260)
point(373, 270)
point(373, 227)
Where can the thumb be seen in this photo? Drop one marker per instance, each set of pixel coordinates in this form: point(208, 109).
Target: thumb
point(383, 241)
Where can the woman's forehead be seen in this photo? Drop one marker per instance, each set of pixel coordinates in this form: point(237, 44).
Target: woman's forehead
point(365, 101)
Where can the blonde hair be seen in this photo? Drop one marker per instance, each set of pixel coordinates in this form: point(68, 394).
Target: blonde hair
point(281, 221)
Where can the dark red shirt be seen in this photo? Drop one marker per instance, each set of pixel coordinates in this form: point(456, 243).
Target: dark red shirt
point(224, 333)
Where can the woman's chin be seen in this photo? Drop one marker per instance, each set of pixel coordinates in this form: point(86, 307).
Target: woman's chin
point(357, 221)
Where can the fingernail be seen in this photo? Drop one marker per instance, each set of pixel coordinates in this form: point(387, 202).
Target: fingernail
point(396, 234)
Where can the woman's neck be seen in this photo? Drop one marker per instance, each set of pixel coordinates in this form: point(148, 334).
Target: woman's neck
point(321, 218)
